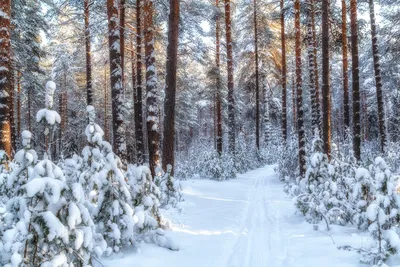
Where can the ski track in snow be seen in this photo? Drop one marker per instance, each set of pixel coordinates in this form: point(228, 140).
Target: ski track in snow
point(243, 222)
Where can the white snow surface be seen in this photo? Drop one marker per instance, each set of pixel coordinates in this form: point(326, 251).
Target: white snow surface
point(244, 222)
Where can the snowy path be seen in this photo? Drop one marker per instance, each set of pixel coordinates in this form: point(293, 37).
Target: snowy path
point(244, 222)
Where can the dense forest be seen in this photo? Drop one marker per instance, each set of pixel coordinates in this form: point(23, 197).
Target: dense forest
point(107, 105)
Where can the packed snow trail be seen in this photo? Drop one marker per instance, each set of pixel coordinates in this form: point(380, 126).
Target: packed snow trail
point(243, 222)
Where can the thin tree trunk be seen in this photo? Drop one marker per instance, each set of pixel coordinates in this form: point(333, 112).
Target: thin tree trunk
point(11, 105)
point(378, 77)
point(151, 88)
point(294, 99)
point(218, 81)
point(170, 86)
point(133, 70)
point(19, 105)
point(283, 77)
point(30, 108)
point(5, 77)
point(326, 89)
point(316, 72)
point(356, 81)
point(105, 106)
point(89, 90)
point(300, 112)
point(231, 99)
point(138, 103)
point(311, 69)
point(257, 81)
point(346, 106)
point(119, 144)
point(122, 39)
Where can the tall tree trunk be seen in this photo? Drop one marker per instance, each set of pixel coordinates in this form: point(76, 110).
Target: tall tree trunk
point(294, 100)
point(218, 81)
point(119, 144)
point(11, 105)
point(326, 88)
point(170, 86)
point(5, 77)
point(19, 106)
point(231, 99)
point(89, 89)
point(356, 80)
point(257, 81)
point(133, 70)
point(311, 69)
point(300, 112)
point(316, 72)
point(378, 77)
point(346, 106)
point(122, 39)
point(151, 88)
point(267, 123)
point(138, 103)
point(283, 77)
point(105, 106)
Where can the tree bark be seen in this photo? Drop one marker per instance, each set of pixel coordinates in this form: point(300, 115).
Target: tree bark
point(19, 105)
point(257, 80)
point(299, 90)
point(138, 102)
point(326, 88)
point(5, 77)
point(346, 106)
point(378, 77)
point(231, 99)
point(119, 144)
point(218, 81)
point(356, 81)
point(89, 89)
point(316, 72)
point(315, 121)
point(170, 86)
point(153, 135)
point(122, 39)
point(283, 77)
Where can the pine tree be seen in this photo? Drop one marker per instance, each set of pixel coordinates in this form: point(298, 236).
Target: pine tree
point(231, 98)
point(151, 88)
point(299, 92)
point(170, 88)
point(89, 90)
point(326, 88)
point(116, 79)
point(378, 77)
point(356, 80)
point(346, 106)
point(5, 77)
point(284, 71)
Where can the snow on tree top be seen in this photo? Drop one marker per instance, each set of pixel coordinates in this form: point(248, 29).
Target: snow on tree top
point(26, 134)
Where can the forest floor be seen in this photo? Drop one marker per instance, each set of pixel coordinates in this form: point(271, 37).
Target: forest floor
point(244, 222)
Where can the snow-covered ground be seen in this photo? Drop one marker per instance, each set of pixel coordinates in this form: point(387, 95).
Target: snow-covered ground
point(244, 222)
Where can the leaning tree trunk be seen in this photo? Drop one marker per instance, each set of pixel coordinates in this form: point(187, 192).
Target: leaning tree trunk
point(5, 73)
point(138, 101)
point(170, 86)
point(326, 88)
point(378, 77)
point(283, 77)
point(89, 89)
point(346, 106)
point(218, 81)
point(300, 112)
point(311, 68)
point(153, 135)
point(119, 144)
point(257, 81)
point(356, 80)
point(231, 99)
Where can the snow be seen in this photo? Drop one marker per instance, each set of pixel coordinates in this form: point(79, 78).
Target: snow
point(243, 222)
